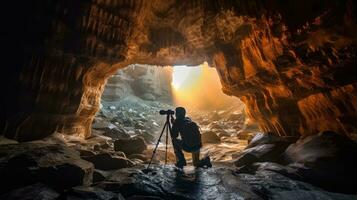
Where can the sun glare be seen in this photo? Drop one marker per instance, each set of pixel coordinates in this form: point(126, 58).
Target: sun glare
point(197, 87)
point(184, 76)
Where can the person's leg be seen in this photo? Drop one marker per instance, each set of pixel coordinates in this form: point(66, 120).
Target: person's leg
point(196, 158)
point(180, 158)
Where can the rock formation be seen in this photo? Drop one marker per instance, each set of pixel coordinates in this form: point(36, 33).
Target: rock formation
point(290, 62)
point(144, 81)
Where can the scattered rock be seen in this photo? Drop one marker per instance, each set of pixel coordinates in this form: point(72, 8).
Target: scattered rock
point(115, 133)
point(55, 165)
point(210, 137)
point(105, 161)
point(134, 145)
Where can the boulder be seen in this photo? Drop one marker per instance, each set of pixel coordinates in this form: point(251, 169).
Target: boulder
point(55, 165)
point(134, 145)
point(105, 161)
point(261, 153)
point(35, 191)
point(115, 133)
point(84, 152)
point(90, 193)
point(210, 137)
point(98, 176)
point(325, 160)
point(269, 138)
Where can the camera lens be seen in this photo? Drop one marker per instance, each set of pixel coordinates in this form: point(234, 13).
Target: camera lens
point(166, 112)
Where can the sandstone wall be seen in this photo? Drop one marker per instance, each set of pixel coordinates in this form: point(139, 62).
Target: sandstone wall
point(291, 62)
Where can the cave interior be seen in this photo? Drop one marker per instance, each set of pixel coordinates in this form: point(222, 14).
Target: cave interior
point(271, 83)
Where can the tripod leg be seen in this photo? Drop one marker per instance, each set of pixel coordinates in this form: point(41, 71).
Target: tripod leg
point(157, 144)
point(167, 138)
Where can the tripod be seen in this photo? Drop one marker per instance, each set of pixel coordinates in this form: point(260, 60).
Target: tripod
point(167, 130)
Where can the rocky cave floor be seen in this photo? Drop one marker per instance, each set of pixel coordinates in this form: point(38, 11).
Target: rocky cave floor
point(111, 164)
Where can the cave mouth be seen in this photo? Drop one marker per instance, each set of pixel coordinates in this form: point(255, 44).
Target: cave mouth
point(133, 96)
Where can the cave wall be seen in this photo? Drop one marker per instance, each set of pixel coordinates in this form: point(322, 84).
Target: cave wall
point(290, 62)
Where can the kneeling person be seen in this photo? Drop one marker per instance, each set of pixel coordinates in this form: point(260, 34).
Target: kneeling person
point(190, 139)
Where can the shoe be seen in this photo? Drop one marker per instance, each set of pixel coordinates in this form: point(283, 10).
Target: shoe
point(207, 162)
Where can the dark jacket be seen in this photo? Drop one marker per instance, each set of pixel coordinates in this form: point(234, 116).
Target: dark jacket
point(177, 129)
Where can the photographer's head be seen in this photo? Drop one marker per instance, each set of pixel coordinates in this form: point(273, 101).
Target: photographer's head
point(180, 112)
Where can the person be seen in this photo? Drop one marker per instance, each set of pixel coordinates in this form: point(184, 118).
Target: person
point(190, 140)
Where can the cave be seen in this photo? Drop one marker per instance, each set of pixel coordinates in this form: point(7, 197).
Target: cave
point(289, 64)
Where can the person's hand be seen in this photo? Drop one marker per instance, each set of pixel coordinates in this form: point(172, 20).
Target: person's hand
point(172, 119)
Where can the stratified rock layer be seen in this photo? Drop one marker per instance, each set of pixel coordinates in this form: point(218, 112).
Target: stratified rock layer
point(291, 62)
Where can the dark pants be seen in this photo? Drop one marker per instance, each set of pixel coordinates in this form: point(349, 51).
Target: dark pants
point(180, 158)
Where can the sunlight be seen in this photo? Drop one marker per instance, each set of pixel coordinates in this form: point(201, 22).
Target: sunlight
point(198, 87)
point(184, 76)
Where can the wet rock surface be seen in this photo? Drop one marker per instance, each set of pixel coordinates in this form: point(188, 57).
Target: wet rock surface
point(168, 183)
point(220, 182)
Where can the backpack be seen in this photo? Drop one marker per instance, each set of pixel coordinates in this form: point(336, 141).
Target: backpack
point(191, 137)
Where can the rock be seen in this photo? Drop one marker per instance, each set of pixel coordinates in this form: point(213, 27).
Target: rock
point(84, 152)
point(105, 161)
point(167, 183)
point(90, 193)
point(98, 176)
point(215, 125)
point(147, 136)
point(149, 96)
point(268, 138)
point(134, 145)
point(223, 134)
point(272, 185)
point(116, 133)
point(37, 191)
point(325, 160)
point(243, 135)
point(55, 165)
point(138, 156)
point(261, 153)
point(210, 137)
point(101, 146)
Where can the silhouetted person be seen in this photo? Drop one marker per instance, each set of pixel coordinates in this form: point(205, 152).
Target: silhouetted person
point(190, 139)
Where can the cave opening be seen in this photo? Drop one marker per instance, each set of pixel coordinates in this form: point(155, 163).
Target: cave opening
point(133, 96)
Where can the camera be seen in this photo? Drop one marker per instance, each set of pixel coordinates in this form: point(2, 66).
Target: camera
point(166, 112)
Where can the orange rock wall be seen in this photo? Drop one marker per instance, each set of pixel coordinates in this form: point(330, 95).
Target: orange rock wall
point(291, 62)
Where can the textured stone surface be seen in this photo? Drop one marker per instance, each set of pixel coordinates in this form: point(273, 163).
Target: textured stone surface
point(292, 63)
point(55, 165)
point(214, 183)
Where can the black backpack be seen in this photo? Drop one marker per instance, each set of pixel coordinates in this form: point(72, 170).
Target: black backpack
point(191, 136)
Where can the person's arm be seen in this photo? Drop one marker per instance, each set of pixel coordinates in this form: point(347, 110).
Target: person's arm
point(175, 130)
